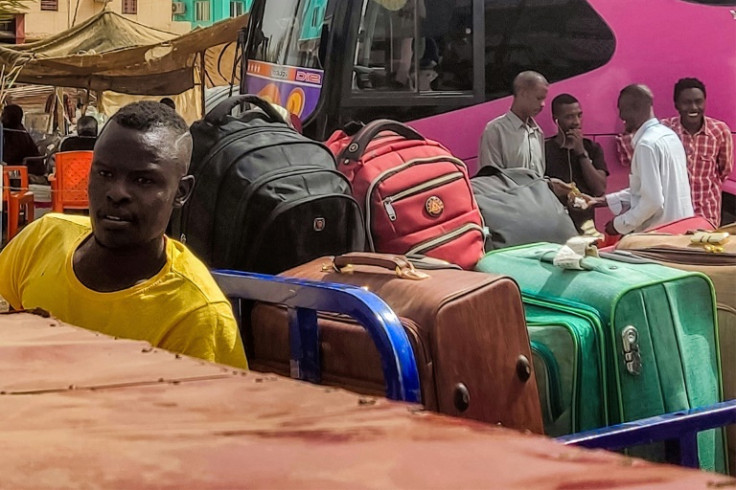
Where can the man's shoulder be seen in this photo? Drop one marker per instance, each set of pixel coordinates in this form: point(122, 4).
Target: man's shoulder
point(717, 124)
point(655, 133)
point(670, 122)
point(193, 272)
point(58, 223)
point(498, 121)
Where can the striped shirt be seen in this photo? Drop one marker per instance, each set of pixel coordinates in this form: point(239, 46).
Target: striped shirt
point(709, 163)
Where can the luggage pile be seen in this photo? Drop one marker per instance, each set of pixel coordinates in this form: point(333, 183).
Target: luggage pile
point(507, 337)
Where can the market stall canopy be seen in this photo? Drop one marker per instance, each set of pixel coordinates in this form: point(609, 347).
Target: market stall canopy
point(112, 52)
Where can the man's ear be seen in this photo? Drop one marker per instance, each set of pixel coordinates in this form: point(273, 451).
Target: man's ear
point(186, 186)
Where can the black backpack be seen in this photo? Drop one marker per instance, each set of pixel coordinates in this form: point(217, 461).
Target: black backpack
point(265, 197)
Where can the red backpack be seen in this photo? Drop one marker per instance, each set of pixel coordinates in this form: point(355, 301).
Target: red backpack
point(415, 196)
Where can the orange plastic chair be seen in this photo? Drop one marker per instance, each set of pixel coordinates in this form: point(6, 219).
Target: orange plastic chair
point(16, 198)
point(69, 180)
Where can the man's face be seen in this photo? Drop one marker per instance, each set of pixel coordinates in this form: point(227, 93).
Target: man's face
point(628, 114)
point(532, 98)
point(569, 116)
point(135, 181)
point(690, 104)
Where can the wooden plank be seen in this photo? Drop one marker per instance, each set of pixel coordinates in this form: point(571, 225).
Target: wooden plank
point(264, 431)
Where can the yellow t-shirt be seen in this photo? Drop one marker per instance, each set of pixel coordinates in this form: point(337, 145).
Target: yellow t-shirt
point(180, 309)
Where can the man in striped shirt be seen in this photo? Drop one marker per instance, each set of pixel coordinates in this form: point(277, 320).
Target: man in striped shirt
point(708, 146)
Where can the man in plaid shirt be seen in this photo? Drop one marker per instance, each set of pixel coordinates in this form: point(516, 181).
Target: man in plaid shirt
point(708, 146)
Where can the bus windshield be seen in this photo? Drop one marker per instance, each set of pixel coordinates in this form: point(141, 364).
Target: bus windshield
point(290, 32)
point(285, 67)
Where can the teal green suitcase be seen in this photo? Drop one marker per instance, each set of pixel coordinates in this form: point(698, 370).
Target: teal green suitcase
point(659, 343)
point(568, 362)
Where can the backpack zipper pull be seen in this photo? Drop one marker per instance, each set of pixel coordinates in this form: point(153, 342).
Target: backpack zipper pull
point(389, 209)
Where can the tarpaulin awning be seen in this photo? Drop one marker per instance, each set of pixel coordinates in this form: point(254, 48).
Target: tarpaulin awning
point(111, 52)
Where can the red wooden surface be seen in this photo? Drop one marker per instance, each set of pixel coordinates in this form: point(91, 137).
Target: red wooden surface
point(137, 417)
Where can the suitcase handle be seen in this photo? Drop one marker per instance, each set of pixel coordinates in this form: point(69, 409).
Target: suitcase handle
point(404, 269)
point(363, 137)
point(216, 115)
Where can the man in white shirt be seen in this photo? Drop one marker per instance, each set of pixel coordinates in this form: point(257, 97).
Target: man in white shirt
point(514, 139)
point(659, 190)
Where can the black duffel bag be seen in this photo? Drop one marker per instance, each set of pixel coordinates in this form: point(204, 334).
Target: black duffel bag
point(265, 197)
point(518, 207)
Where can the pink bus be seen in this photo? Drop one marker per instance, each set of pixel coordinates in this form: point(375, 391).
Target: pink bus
point(447, 65)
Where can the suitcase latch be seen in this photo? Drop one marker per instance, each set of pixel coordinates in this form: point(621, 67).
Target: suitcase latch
point(632, 356)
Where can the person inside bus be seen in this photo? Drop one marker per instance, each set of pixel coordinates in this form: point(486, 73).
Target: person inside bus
point(659, 191)
point(115, 271)
point(708, 145)
point(574, 159)
point(515, 139)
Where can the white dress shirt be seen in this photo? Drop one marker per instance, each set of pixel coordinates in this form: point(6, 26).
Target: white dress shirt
point(508, 142)
point(659, 190)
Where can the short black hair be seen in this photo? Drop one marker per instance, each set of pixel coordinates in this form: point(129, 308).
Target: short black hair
point(148, 114)
point(169, 102)
point(562, 99)
point(686, 83)
point(87, 126)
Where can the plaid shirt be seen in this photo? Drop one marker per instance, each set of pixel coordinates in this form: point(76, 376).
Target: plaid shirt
point(709, 163)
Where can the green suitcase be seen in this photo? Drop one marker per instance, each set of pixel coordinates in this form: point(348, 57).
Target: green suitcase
point(660, 341)
point(568, 362)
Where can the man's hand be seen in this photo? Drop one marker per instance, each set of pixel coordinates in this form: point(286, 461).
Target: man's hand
point(611, 230)
point(575, 139)
point(589, 202)
point(560, 188)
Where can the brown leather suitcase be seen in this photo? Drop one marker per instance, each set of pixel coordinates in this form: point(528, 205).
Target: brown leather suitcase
point(467, 330)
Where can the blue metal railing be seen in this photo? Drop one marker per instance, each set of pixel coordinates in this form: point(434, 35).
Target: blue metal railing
point(305, 298)
point(677, 429)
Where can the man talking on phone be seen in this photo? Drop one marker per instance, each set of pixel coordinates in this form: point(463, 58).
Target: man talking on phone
point(574, 159)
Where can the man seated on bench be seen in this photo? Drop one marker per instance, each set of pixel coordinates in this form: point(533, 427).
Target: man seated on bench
point(115, 272)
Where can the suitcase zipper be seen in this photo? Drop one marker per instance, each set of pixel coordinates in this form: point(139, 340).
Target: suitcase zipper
point(442, 239)
point(430, 184)
point(394, 170)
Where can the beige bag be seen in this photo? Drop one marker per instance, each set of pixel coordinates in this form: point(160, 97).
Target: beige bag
point(714, 255)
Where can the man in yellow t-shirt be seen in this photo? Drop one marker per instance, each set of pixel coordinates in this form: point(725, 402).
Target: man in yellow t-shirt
point(115, 272)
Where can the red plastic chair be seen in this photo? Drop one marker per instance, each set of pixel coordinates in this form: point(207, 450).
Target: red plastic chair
point(17, 198)
point(69, 180)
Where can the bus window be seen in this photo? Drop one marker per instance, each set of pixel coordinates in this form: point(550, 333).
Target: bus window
point(290, 33)
point(558, 38)
point(397, 36)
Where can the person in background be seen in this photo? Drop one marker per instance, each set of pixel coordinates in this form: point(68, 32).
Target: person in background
point(659, 191)
point(115, 271)
point(85, 137)
point(168, 101)
point(708, 145)
point(84, 140)
point(17, 143)
point(515, 139)
point(574, 159)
